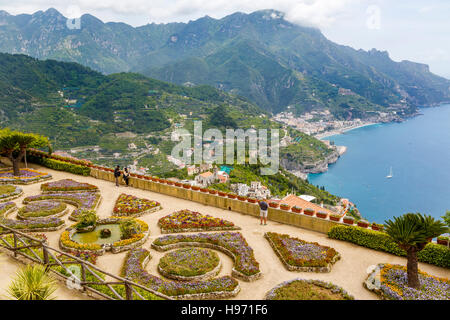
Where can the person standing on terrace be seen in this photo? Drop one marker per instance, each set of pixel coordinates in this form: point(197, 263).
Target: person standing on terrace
point(126, 175)
point(263, 206)
point(117, 175)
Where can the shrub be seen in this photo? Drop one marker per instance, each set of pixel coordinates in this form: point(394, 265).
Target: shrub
point(61, 165)
point(32, 283)
point(433, 254)
point(86, 219)
point(129, 228)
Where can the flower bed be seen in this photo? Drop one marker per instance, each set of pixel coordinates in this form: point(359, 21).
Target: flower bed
point(27, 176)
point(232, 243)
point(300, 289)
point(189, 264)
point(39, 209)
point(82, 200)
point(9, 192)
point(393, 284)
point(189, 221)
point(44, 224)
point(68, 244)
point(299, 255)
point(67, 185)
point(219, 288)
point(127, 205)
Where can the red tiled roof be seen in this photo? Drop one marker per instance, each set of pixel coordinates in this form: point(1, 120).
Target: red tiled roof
point(293, 200)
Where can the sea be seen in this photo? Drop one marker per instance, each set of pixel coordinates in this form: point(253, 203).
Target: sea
point(418, 150)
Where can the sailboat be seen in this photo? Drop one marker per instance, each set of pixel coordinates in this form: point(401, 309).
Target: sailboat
point(390, 174)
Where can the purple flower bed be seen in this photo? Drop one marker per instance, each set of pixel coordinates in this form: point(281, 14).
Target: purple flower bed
point(5, 206)
point(41, 206)
point(24, 173)
point(42, 223)
point(394, 285)
point(84, 200)
point(234, 242)
point(26, 176)
point(68, 185)
point(134, 270)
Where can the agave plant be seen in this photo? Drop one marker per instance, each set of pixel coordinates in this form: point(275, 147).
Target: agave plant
point(412, 231)
point(32, 283)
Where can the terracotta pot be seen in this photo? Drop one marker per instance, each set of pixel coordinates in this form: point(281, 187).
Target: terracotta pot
point(186, 186)
point(321, 215)
point(232, 196)
point(170, 183)
point(348, 221)
point(443, 242)
point(204, 190)
point(178, 184)
point(274, 204)
point(308, 213)
point(241, 198)
point(375, 227)
point(251, 200)
point(222, 194)
point(195, 188)
point(212, 191)
point(296, 210)
point(334, 218)
point(285, 208)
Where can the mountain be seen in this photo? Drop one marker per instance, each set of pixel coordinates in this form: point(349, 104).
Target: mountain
point(124, 113)
point(261, 56)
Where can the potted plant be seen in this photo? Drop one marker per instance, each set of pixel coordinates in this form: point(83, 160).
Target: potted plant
point(204, 190)
point(309, 212)
point(443, 240)
point(147, 178)
point(87, 221)
point(296, 209)
point(178, 184)
point(195, 188)
point(212, 191)
point(222, 194)
point(274, 204)
point(285, 206)
point(252, 200)
point(186, 186)
point(232, 196)
point(335, 217)
point(349, 220)
point(321, 214)
point(363, 223)
point(377, 227)
point(170, 183)
point(242, 198)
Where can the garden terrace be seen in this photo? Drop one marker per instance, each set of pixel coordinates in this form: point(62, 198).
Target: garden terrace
point(390, 282)
point(234, 244)
point(189, 221)
point(134, 269)
point(67, 185)
point(131, 206)
point(299, 255)
point(300, 289)
point(27, 176)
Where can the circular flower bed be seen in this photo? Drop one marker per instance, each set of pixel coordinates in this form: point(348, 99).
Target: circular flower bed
point(300, 289)
point(299, 255)
point(42, 209)
point(9, 192)
point(67, 185)
point(27, 176)
point(128, 205)
point(233, 244)
point(188, 221)
point(218, 288)
point(391, 282)
point(189, 264)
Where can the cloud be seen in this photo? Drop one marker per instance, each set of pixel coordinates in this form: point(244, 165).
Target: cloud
point(319, 13)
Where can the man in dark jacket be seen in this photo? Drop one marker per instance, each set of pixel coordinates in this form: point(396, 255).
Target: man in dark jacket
point(263, 206)
point(117, 175)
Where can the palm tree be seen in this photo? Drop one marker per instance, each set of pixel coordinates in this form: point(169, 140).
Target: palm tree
point(32, 283)
point(412, 232)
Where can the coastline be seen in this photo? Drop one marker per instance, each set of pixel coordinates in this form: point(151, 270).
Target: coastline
point(322, 136)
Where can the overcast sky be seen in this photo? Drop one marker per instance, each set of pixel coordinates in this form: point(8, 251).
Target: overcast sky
point(416, 30)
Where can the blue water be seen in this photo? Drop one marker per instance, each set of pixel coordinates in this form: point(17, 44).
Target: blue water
point(418, 151)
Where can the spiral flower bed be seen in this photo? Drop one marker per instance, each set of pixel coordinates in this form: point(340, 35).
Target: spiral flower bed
point(27, 176)
point(67, 242)
point(9, 192)
point(42, 209)
point(128, 205)
point(189, 221)
point(67, 185)
point(44, 224)
point(391, 283)
point(300, 289)
point(189, 264)
point(299, 255)
point(82, 200)
point(233, 244)
point(218, 288)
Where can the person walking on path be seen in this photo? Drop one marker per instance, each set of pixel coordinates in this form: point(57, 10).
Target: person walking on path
point(117, 175)
point(126, 175)
point(263, 206)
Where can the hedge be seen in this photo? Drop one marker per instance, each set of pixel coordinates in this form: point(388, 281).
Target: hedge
point(435, 254)
point(60, 165)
